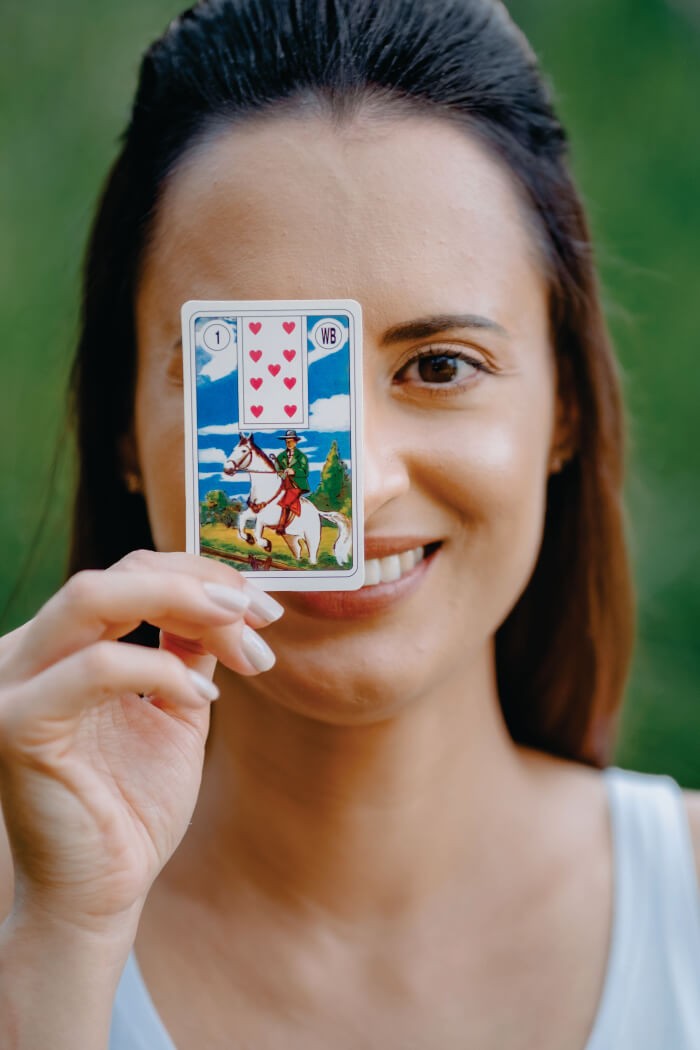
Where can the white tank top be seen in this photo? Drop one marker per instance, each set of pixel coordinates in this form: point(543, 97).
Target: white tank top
point(651, 992)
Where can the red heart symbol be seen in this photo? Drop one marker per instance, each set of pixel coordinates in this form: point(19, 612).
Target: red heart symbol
point(256, 410)
point(290, 354)
point(273, 369)
point(255, 326)
point(290, 410)
point(288, 326)
point(256, 383)
point(289, 383)
point(256, 354)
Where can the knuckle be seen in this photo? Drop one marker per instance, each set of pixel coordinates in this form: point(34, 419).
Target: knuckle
point(138, 559)
point(99, 662)
point(82, 588)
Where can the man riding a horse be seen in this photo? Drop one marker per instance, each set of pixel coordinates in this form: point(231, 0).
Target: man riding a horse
point(277, 485)
point(295, 479)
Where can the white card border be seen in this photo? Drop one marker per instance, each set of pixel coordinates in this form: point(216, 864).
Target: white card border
point(323, 580)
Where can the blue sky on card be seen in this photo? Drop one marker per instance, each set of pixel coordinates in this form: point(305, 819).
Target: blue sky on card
point(217, 408)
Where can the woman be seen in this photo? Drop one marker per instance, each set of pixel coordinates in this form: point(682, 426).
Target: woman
point(403, 837)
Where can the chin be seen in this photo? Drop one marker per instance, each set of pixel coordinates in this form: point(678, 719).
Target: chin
point(358, 680)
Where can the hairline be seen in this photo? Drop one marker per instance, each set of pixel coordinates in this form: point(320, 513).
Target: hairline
point(340, 109)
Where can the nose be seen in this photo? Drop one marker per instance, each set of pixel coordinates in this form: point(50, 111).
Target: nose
point(386, 473)
point(229, 467)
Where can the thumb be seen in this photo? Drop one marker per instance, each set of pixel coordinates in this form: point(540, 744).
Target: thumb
point(194, 656)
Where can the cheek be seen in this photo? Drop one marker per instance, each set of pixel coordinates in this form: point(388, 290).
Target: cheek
point(160, 438)
point(494, 477)
point(495, 473)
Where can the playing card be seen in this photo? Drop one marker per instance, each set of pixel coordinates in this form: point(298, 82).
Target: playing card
point(273, 418)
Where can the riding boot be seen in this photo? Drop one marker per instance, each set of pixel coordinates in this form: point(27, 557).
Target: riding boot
point(285, 516)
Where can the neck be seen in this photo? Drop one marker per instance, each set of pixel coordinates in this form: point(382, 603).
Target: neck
point(354, 821)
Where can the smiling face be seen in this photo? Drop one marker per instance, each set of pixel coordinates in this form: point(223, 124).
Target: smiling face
point(423, 227)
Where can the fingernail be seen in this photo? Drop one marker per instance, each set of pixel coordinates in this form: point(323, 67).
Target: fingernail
point(263, 604)
point(230, 597)
point(256, 650)
point(204, 686)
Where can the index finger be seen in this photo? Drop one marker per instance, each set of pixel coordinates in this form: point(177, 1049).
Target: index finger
point(263, 608)
point(103, 605)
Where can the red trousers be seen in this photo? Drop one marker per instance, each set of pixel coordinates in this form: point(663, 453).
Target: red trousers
point(290, 497)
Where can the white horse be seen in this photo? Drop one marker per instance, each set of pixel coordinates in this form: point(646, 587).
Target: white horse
point(266, 490)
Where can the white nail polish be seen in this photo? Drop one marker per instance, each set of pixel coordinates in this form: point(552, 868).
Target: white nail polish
point(263, 604)
point(204, 686)
point(256, 650)
point(229, 597)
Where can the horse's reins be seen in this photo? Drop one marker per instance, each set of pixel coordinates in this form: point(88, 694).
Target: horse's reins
point(257, 507)
point(239, 466)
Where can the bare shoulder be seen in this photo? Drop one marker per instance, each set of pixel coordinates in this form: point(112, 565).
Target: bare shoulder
point(692, 806)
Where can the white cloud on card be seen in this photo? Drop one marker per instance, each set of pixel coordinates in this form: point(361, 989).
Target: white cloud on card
point(330, 413)
point(220, 365)
point(212, 455)
point(219, 428)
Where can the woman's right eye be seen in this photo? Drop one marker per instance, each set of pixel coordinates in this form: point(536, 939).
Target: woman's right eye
point(447, 368)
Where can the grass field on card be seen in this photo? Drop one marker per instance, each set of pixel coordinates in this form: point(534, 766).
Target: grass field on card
point(223, 538)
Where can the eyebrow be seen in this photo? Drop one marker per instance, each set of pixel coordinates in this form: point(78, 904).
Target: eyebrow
point(439, 323)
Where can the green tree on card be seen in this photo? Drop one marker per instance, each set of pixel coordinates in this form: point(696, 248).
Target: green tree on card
point(334, 490)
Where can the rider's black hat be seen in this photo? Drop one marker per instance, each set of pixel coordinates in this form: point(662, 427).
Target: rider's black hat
point(290, 434)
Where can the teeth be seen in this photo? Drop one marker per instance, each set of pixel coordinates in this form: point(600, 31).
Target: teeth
point(387, 570)
point(390, 568)
point(407, 560)
point(372, 572)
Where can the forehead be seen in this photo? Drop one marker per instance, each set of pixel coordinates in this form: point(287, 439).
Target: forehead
point(378, 210)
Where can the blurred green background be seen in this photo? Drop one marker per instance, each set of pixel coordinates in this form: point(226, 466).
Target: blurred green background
point(627, 79)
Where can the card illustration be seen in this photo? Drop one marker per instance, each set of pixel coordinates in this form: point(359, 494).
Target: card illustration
point(278, 500)
point(273, 426)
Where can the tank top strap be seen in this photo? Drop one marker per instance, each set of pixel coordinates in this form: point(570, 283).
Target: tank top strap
point(652, 978)
point(656, 864)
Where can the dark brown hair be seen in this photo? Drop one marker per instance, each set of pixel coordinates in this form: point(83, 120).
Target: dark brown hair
point(563, 652)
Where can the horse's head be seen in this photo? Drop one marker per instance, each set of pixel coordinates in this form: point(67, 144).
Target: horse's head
point(241, 457)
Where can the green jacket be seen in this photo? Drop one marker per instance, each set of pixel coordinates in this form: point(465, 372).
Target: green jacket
point(300, 465)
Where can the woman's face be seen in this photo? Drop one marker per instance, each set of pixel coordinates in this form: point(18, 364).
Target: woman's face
point(415, 221)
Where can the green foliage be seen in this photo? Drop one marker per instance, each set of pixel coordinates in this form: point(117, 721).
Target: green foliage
point(216, 499)
point(217, 508)
point(334, 491)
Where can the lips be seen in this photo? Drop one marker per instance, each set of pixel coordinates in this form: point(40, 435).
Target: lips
point(383, 546)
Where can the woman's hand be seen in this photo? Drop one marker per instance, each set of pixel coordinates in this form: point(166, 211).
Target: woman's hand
point(97, 782)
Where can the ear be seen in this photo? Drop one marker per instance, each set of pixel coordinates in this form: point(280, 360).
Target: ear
point(567, 420)
point(129, 465)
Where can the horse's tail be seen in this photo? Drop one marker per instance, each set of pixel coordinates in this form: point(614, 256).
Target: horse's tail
point(341, 547)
